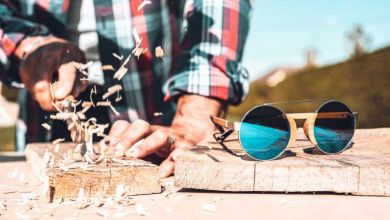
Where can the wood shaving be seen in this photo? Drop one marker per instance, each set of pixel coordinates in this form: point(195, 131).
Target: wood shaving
point(78, 148)
point(112, 90)
point(143, 4)
point(118, 97)
point(57, 141)
point(81, 116)
point(122, 70)
point(159, 52)
point(51, 162)
point(92, 92)
point(56, 148)
point(87, 104)
point(3, 205)
point(136, 36)
point(209, 207)
point(46, 126)
point(46, 157)
point(119, 192)
point(103, 213)
point(108, 67)
point(157, 114)
point(62, 116)
point(81, 66)
point(139, 51)
point(117, 56)
point(107, 103)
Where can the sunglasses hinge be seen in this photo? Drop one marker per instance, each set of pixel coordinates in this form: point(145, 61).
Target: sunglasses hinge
point(220, 137)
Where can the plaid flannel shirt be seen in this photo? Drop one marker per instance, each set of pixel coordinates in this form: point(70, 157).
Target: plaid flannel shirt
point(203, 42)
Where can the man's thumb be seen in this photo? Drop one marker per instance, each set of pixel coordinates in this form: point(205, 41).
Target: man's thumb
point(66, 77)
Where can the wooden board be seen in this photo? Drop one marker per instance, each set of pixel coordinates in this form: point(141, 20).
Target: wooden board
point(363, 169)
point(102, 179)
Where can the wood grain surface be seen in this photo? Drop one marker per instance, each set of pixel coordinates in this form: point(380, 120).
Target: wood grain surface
point(101, 180)
point(363, 169)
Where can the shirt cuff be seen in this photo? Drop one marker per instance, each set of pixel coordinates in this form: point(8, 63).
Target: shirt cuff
point(216, 77)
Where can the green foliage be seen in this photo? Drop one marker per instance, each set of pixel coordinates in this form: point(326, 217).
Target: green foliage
point(363, 83)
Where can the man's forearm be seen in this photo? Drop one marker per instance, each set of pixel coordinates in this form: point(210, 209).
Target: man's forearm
point(192, 116)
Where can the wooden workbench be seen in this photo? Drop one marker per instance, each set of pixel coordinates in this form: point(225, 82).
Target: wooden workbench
point(23, 200)
point(363, 169)
point(21, 197)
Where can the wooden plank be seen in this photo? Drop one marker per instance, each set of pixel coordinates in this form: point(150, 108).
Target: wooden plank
point(102, 179)
point(363, 169)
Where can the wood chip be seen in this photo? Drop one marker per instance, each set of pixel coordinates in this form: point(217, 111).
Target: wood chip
point(143, 4)
point(119, 192)
point(117, 56)
point(81, 66)
point(139, 51)
point(3, 205)
point(122, 70)
point(46, 126)
point(112, 90)
point(103, 213)
point(103, 103)
point(159, 52)
point(209, 207)
point(57, 141)
point(118, 98)
point(108, 67)
point(77, 149)
point(56, 148)
point(136, 36)
point(156, 114)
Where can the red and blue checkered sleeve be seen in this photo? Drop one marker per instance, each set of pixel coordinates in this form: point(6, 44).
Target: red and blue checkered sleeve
point(211, 51)
point(13, 29)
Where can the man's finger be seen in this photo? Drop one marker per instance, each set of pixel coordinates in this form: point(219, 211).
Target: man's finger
point(118, 128)
point(152, 143)
point(66, 77)
point(41, 93)
point(135, 132)
point(167, 167)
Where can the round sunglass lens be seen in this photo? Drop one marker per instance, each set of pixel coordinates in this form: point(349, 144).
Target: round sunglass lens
point(334, 127)
point(264, 132)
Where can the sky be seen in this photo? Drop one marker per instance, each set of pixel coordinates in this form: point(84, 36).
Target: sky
point(281, 31)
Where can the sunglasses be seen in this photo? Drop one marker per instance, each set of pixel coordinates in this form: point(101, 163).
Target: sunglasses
point(265, 131)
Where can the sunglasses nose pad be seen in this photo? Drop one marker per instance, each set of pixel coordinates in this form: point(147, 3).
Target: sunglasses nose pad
point(308, 128)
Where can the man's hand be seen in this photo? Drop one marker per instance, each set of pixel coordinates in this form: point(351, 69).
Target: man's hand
point(190, 125)
point(44, 60)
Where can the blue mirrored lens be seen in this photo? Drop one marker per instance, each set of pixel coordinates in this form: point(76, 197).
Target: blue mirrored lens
point(332, 132)
point(264, 132)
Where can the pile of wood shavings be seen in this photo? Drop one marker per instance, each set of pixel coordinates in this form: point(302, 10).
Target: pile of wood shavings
point(83, 129)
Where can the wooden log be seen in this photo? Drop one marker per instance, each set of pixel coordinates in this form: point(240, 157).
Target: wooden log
point(102, 179)
point(363, 169)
